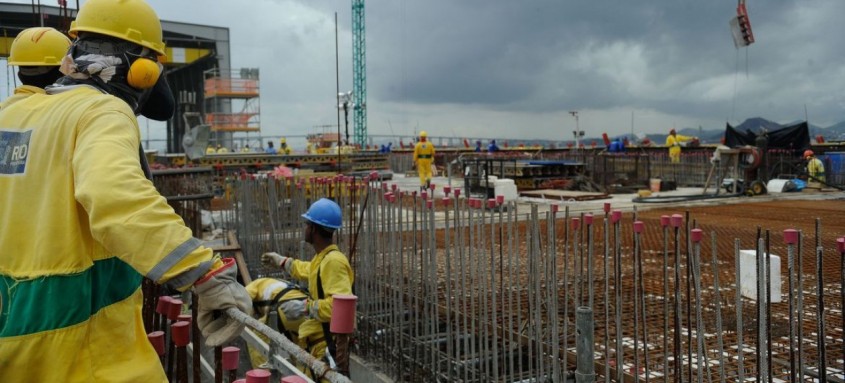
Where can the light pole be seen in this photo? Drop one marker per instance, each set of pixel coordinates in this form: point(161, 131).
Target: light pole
point(577, 133)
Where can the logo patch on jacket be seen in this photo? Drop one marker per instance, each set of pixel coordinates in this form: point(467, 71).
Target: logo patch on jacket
point(14, 150)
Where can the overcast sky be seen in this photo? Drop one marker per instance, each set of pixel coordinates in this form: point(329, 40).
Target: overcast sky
point(514, 69)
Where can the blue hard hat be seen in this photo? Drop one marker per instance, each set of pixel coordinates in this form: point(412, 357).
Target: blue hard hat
point(325, 213)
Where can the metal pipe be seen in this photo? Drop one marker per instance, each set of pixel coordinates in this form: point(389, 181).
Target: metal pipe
point(715, 265)
point(740, 372)
point(585, 371)
point(820, 314)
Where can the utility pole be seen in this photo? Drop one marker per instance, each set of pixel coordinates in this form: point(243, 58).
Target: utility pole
point(577, 133)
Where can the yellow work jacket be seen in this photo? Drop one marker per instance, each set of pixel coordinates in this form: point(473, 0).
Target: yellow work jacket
point(337, 277)
point(674, 143)
point(81, 225)
point(815, 168)
point(424, 151)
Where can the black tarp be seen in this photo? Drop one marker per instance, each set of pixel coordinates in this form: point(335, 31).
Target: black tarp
point(794, 137)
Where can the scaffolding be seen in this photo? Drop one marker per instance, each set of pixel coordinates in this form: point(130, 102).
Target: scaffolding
point(232, 100)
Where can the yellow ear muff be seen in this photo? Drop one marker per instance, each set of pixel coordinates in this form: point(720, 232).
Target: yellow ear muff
point(143, 73)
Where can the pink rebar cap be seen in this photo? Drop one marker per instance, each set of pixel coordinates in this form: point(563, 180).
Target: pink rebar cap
point(840, 244)
point(258, 376)
point(185, 318)
point(292, 379)
point(677, 220)
point(639, 226)
point(615, 216)
point(343, 313)
point(491, 203)
point(394, 187)
point(457, 192)
point(424, 194)
point(500, 199)
point(373, 175)
point(695, 235)
point(156, 338)
point(432, 186)
point(555, 208)
point(790, 236)
point(429, 203)
point(447, 189)
point(664, 220)
point(175, 309)
point(163, 304)
point(181, 333)
point(588, 219)
point(607, 207)
point(446, 201)
point(231, 357)
point(575, 223)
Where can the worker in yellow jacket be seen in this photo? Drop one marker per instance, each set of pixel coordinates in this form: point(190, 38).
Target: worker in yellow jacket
point(673, 141)
point(82, 225)
point(283, 146)
point(328, 274)
point(267, 295)
point(815, 167)
point(423, 159)
point(37, 52)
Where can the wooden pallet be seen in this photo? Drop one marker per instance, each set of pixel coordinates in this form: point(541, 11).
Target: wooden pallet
point(564, 195)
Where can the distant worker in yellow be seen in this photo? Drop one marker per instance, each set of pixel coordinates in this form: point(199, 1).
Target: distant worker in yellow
point(673, 141)
point(210, 150)
point(815, 167)
point(283, 146)
point(222, 149)
point(37, 52)
point(423, 158)
point(245, 149)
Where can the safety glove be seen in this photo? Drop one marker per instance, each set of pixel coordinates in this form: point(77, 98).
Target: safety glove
point(217, 291)
point(276, 261)
point(294, 309)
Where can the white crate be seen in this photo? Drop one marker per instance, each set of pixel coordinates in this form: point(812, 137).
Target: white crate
point(748, 265)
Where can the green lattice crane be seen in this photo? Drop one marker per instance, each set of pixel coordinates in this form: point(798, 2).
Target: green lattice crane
point(359, 72)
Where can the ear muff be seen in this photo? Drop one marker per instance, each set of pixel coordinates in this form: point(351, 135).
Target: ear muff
point(143, 73)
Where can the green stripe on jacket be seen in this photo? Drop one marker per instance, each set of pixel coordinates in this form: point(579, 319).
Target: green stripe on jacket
point(59, 301)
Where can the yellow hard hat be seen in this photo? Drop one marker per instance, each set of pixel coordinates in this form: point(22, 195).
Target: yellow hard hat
point(40, 46)
point(423, 133)
point(130, 20)
point(283, 140)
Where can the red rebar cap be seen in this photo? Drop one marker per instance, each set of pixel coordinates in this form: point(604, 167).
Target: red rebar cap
point(175, 309)
point(432, 186)
point(615, 216)
point(639, 226)
point(231, 357)
point(790, 236)
point(588, 219)
point(575, 223)
point(695, 235)
point(185, 318)
point(606, 207)
point(491, 203)
point(664, 220)
point(181, 333)
point(677, 220)
point(163, 304)
point(447, 189)
point(500, 199)
point(424, 194)
point(840, 244)
point(373, 175)
point(446, 201)
point(555, 208)
point(429, 203)
point(384, 186)
point(292, 379)
point(258, 376)
point(156, 338)
point(457, 192)
point(394, 187)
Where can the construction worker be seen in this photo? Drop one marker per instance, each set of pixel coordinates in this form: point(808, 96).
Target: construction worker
point(37, 52)
point(328, 273)
point(492, 147)
point(423, 159)
point(815, 168)
point(267, 295)
point(270, 149)
point(673, 141)
point(222, 149)
point(245, 149)
point(283, 147)
point(211, 150)
point(82, 225)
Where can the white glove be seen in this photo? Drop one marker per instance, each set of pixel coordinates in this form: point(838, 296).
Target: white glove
point(293, 309)
point(217, 291)
point(276, 261)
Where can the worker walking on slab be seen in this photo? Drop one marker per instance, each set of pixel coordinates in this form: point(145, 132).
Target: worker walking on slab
point(37, 52)
point(674, 141)
point(283, 147)
point(328, 274)
point(815, 169)
point(83, 225)
point(423, 159)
